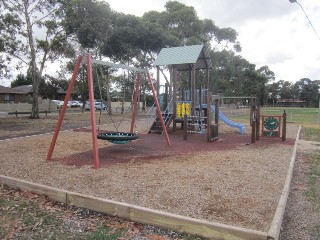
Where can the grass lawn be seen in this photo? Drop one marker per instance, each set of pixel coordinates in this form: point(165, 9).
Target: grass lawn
point(312, 190)
point(295, 115)
point(24, 215)
point(306, 117)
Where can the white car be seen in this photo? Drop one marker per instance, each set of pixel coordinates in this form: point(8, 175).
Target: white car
point(74, 104)
point(97, 106)
point(58, 103)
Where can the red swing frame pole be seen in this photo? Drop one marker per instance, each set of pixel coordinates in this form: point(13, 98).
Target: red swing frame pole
point(155, 98)
point(135, 100)
point(96, 160)
point(64, 107)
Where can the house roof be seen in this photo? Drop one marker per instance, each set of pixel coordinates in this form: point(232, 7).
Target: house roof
point(10, 90)
point(24, 88)
point(182, 57)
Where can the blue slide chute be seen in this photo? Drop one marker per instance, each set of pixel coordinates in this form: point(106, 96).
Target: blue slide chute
point(241, 127)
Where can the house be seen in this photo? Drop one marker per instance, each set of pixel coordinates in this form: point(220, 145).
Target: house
point(11, 95)
point(28, 89)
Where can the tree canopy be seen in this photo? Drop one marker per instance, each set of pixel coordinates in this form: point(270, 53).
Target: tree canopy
point(33, 33)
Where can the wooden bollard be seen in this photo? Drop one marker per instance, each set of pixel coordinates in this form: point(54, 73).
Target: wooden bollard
point(185, 127)
point(253, 124)
point(284, 125)
point(257, 122)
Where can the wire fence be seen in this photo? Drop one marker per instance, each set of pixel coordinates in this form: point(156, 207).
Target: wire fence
point(294, 115)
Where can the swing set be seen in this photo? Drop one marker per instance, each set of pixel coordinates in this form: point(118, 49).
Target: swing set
point(114, 137)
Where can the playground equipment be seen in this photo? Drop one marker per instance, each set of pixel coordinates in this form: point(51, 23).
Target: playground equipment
point(241, 127)
point(187, 105)
point(184, 101)
point(117, 136)
point(272, 126)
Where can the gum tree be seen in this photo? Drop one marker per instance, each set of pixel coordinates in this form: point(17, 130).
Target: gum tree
point(31, 36)
point(89, 22)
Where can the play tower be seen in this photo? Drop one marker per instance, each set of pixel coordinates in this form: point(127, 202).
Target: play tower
point(187, 92)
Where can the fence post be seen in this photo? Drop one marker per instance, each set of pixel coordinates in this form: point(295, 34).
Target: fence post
point(257, 130)
point(253, 125)
point(284, 125)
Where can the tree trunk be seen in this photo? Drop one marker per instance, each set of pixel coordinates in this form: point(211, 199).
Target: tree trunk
point(35, 79)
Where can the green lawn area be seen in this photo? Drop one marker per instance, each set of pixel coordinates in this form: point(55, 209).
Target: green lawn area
point(312, 190)
point(306, 117)
point(295, 115)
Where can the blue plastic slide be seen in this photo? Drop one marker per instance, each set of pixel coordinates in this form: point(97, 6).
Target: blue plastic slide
point(226, 120)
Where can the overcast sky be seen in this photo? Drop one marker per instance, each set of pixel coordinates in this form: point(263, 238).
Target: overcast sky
point(271, 32)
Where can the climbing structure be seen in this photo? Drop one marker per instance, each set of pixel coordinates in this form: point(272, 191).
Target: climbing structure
point(184, 99)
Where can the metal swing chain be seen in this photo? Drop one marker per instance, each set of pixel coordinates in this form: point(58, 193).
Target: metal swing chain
point(99, 122)
point(127, 108)
point(116, 126)
point(100, 91)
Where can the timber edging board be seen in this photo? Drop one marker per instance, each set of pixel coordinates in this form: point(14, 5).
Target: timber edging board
point(175, 222)
point(210, 230)
point(274, 231)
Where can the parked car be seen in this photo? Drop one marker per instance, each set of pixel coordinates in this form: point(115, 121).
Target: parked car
point(60, 103)
point(74, 104)
point(97, 105)
point(57, 102)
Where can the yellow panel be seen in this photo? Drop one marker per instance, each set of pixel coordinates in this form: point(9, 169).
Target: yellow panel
point(178, 110)
point(183, 112)
point(182, 109)
point(187, 109)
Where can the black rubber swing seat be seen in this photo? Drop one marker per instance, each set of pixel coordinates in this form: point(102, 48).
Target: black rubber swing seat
point(118, 137)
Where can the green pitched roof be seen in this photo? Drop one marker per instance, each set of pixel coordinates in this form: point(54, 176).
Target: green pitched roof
point(182, 57)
